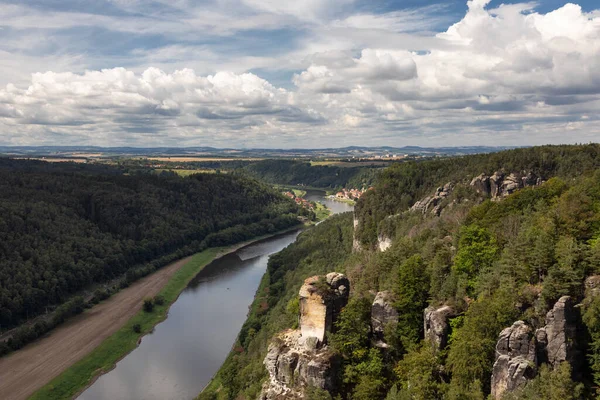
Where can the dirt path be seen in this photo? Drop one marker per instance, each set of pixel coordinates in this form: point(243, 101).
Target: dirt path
point(27, 370)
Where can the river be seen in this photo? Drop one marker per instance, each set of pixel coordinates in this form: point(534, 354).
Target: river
point(178, 359)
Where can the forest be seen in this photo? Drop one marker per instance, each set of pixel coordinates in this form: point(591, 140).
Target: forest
point(302, 173)
point(66, 227)
point(492, 261)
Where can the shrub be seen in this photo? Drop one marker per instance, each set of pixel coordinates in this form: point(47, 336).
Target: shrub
point(159, 300)
point(148, 305)
point(137, 328)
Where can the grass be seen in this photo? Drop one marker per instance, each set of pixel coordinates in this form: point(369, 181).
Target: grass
point(322, 212)
point(299, 192)
point(105, 356)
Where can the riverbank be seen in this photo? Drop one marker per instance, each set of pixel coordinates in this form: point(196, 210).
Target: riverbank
point(63, 363)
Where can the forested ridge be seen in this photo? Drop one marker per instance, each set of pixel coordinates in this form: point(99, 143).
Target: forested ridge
point(302, 173)
point(65, 227)
point(491, 262)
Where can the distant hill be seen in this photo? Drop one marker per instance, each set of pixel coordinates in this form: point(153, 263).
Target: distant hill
point(344, 152)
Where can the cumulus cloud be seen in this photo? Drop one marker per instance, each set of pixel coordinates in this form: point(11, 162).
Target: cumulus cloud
point(505, 75)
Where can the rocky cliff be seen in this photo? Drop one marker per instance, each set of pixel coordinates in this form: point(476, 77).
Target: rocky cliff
point(437, 325)
point(520, 351)
point(300, 358)
point(500, 184)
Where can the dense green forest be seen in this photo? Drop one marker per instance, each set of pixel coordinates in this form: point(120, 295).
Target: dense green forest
point(65, 227)
point(401, 185)
point(301, 173)
point(493, 262)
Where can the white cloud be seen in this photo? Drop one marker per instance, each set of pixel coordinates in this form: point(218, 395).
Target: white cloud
point(507, 75)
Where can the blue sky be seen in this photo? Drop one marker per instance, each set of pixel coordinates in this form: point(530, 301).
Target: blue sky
point(309, 73)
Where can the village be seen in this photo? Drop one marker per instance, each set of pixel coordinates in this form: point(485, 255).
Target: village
point(300, 200)
point(349, 194)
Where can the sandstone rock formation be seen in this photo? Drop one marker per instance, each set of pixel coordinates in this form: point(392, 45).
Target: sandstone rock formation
point(500, 185)
point(516, 360)
point(355, 242)
point(383, 313)
point(436, 325)
point(592, 285)
point(320, 304)
point(383, 242)
point(433, 203)
point(300, 358)
point(294, 363)
point(519, 352)
point(558, 339)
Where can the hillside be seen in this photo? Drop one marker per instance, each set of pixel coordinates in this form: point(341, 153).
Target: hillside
point(301, 173)
point(486, 285)
point(65, 228)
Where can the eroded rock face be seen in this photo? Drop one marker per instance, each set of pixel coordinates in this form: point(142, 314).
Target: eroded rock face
point(356, 247)
point(293, 364)
point(558, 339)
point(592, 286)
point(320, 304)
point(383, 313)
point(519, 352)
point(516, 360)
point(437, 325)
point(383, 242)
point(500, 185)
point(433, 203)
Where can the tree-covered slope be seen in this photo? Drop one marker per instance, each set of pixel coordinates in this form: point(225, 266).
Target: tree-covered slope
point(401, 185)
point(491, 262)
point(288, 172)
point(64, 227)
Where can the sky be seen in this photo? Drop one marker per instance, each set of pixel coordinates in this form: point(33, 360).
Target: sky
point(299, 74)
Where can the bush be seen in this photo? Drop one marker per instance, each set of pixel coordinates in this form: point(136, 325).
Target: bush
point(137, 328)
point(148, 305)
point(159, 300)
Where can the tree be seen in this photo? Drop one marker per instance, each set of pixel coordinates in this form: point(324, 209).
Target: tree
point(477, 251)
point(413, 291)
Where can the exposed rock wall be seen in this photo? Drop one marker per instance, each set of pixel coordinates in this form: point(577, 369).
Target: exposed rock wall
point(383, 242)
point(436, 323)
point(294, 363)
point(516, 360)
point(300, 358)
point(319, 306)
point(500, 185)
point(356, 246)
point(433, 203)
point(558, 339)
point(519, 351)
point(383, 313)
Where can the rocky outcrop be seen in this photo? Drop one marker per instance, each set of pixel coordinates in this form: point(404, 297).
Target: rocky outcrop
point(383, 242)
point(500, 185)
point(295, 363)
point(356, 247)
point(321, 300)
point(592, 286)
point(437, 325)
point(383, 313)
point(433, 203)
point(558, 339)
point(300, 358)
point(516, 360)
point(519, 352)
